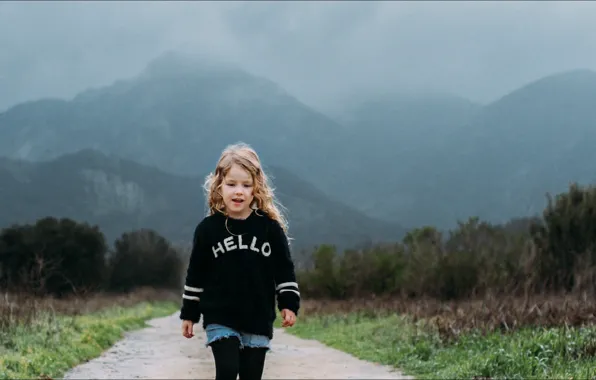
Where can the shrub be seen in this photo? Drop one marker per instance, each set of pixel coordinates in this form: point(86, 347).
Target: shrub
point(555, 253)
point(54, 256)
point(144, 258)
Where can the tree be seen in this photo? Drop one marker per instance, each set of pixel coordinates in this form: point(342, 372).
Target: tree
point(144, 258)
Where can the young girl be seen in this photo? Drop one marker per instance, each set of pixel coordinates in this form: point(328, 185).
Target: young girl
point(239, 265)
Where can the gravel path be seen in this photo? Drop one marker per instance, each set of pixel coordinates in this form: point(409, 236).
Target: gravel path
point(160, 352)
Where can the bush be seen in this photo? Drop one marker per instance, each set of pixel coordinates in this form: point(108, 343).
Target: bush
point(144, 258)
point(555, 253)
point(567, 237)
point(61, 257)
point(54, 256)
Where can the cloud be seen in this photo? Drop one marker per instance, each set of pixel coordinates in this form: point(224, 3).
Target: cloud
point(317, 50)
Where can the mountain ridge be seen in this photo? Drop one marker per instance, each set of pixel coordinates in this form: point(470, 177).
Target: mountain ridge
point(142, 119)
point(497, 162)
point(121, 195)
point(413, 161)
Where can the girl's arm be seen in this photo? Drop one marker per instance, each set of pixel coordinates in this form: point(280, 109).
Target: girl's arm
point(195, 277)
point(286, 287)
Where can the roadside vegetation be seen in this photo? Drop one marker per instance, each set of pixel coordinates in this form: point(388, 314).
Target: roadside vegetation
point(66, 297)
point(482, 301)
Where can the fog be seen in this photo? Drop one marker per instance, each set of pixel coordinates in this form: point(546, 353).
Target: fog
point(317, 51)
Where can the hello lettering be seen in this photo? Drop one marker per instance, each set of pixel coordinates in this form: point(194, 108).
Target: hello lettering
point(232, 243)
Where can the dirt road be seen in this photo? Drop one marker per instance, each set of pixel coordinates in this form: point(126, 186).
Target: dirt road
point(160, 352)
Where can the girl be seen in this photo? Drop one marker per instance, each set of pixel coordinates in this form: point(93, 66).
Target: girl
point(239, 265)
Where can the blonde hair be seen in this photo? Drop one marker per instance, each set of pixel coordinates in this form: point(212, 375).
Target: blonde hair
point(264, 197)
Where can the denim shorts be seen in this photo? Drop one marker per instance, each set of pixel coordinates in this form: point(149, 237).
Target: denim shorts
point(215, 332)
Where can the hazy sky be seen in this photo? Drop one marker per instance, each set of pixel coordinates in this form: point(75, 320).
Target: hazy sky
point(316, 50)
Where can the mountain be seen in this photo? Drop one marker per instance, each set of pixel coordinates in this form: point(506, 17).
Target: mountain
point(397, 132)
point(535, 140)
point(117, 194)
point(413, 159)
point(120, 195)
point(177, 115)
point(445, 159)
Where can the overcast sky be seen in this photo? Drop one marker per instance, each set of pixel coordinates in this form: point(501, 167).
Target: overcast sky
point(317, 51)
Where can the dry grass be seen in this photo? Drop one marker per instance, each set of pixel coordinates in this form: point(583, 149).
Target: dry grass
point(485, 315)
point(491, 338)
point(24, 310)
point(45, 337)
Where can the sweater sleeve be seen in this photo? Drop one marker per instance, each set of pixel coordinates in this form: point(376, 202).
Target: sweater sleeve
point(286, 286)
point(195, 277)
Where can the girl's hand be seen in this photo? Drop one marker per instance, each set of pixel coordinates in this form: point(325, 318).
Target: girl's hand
point(187, 327)
point(289, 318)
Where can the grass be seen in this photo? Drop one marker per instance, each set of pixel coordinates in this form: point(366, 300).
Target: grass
point(419, 348)
point(44, 339)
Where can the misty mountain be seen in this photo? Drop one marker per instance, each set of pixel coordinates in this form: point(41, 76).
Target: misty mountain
point(414, 159)
point(534, 140)
point(178, 115)
point(120, 195)
point(497, 161)
point(395, 132)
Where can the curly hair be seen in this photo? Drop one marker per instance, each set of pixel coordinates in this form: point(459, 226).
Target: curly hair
point(264, 196)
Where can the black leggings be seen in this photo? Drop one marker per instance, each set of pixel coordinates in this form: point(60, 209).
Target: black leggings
point(230, 360)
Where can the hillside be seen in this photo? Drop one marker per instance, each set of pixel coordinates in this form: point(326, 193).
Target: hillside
point(177, 115)
point(453, 159)
point(536, 139)
point(532, 141)
point(121, 195)
point(395, 132)
point(411, 158)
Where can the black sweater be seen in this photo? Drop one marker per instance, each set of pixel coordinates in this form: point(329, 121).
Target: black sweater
point(235, 280)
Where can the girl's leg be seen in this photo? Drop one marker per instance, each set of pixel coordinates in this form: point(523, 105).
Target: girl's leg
point(252, 362)
point(226, 352)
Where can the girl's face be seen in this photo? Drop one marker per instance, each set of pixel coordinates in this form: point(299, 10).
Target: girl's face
point(237, 191)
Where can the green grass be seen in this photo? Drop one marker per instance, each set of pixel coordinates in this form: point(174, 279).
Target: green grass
point(418, 351)
point(54, 344)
